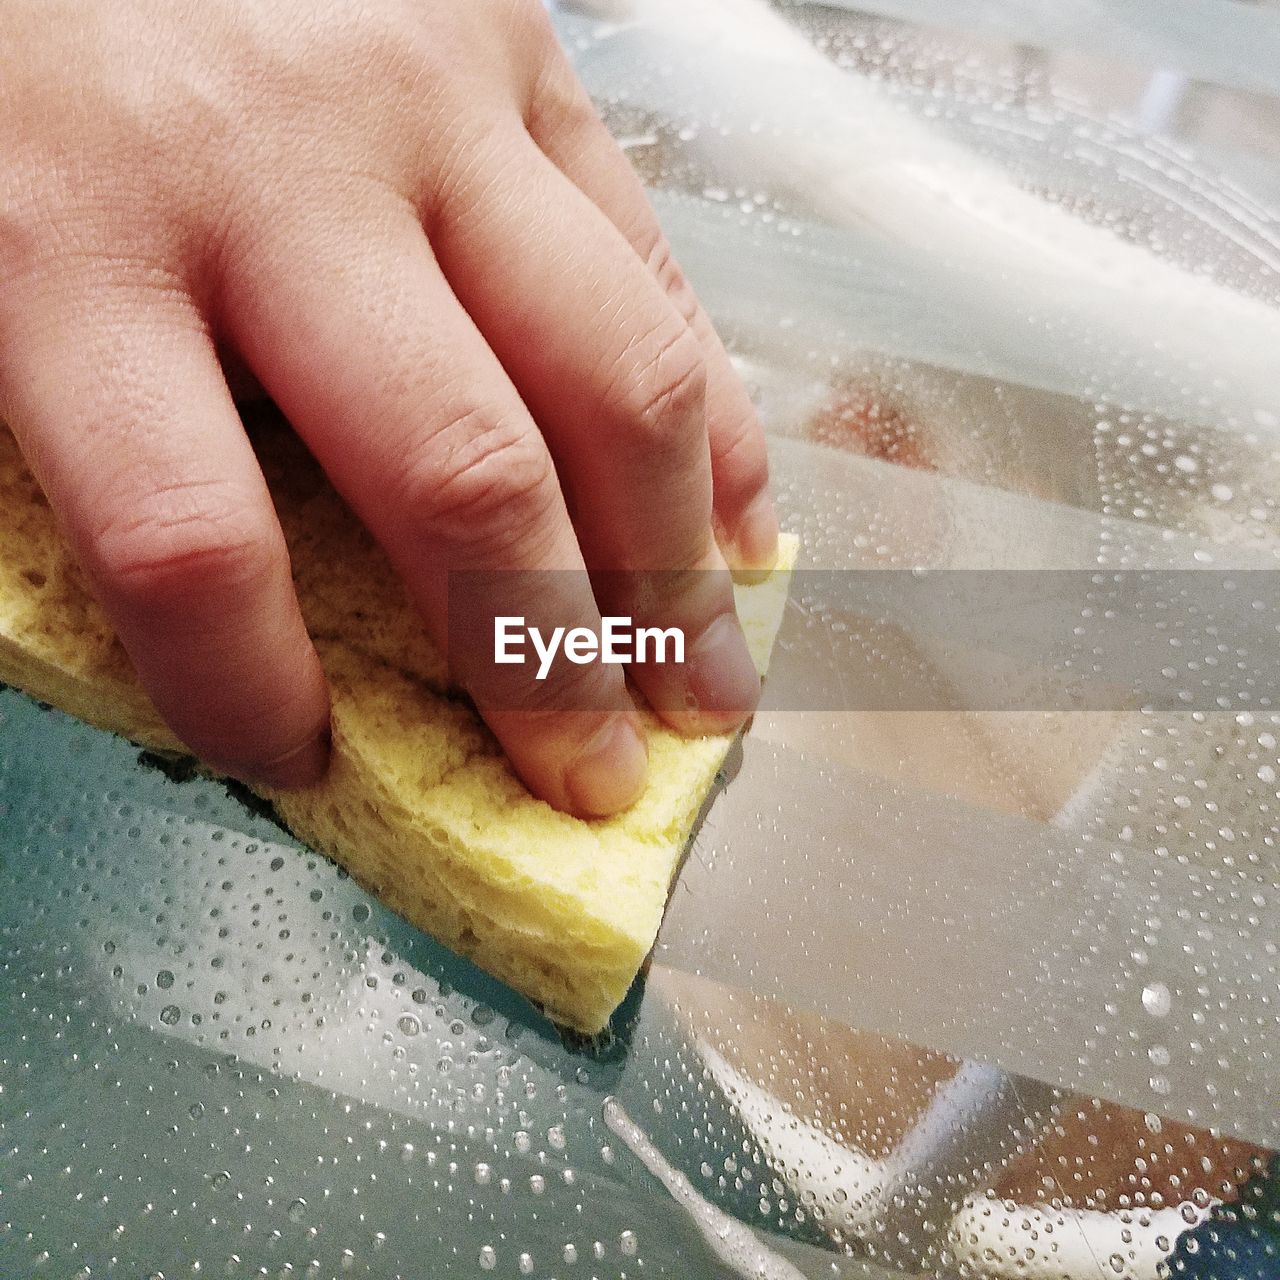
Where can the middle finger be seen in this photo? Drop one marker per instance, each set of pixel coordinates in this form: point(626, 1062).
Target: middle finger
point(615, 378)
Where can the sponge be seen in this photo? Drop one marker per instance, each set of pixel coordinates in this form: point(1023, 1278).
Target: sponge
point(419, 803)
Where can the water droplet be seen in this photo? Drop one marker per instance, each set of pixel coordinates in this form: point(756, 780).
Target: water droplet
point(628, 1244)
point(1157, 999)
point(170, 1014)
point(164, 979)
point(488, 1257)
point(297, 1210)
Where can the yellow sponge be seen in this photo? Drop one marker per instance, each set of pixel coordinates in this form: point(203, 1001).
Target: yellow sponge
point(419, 804)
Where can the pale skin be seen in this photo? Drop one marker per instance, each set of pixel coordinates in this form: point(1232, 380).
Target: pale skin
point(404, 220)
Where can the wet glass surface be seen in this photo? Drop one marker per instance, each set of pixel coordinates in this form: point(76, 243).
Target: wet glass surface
point(957, 991)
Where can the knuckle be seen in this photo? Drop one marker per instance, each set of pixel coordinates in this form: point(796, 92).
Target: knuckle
point(477, 482)
point(669, 392)
point(167, 561)
point(741, 459)
point(571, 688)
point(661, 261)
point(409, 62)
point(558, 104)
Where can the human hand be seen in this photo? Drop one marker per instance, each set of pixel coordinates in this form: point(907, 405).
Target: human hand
point(404, 218)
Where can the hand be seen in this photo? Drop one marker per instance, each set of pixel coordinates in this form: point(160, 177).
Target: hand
point(405, 219)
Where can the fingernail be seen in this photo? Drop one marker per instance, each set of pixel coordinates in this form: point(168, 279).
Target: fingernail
point(755, 543)
point(609, 772)
point(300, 767)
point(723, 683)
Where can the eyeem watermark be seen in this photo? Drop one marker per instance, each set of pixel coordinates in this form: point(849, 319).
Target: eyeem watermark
point(1199, 641)
point(619, 643)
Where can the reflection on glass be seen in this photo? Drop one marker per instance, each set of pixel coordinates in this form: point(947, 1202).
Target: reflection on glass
point(947, 992)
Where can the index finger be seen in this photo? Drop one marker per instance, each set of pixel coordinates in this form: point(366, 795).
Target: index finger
point(119, 406)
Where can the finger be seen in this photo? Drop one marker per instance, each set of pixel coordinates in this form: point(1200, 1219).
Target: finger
point(355, 334)
point(120, 408)
point(615, 378)
point(565, 125)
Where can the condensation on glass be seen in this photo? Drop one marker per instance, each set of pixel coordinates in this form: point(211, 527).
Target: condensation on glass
point(948, 992)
